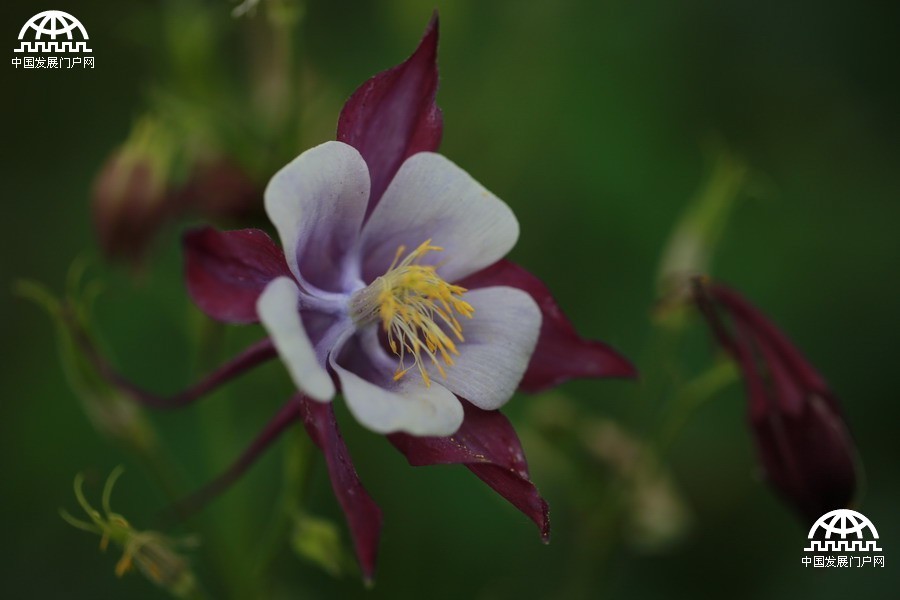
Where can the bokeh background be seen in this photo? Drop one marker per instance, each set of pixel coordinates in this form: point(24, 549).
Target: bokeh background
point(597, 122)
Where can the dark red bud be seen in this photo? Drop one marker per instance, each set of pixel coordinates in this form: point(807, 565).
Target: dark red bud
point(220, 189)
point(801, 437)
point(129, 203)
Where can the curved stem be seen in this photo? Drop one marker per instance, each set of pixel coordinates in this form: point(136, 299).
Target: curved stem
point(288, 414)
point(256, 354)
point(689, 399)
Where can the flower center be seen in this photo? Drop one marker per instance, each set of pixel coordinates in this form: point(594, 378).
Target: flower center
point(418, 311)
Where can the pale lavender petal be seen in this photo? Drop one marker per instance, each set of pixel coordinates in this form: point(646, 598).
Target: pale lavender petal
point(279, 312)
point(432, 198)
point(384, 405)
point(317, 203)
point(499, 341)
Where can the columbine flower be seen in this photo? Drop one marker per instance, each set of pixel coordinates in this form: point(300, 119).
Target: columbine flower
point(391, 288)
point(801, 438)
point(376, 301)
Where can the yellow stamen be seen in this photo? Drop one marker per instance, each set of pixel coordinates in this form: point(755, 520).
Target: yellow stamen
point(417, 310)
point(124, 565)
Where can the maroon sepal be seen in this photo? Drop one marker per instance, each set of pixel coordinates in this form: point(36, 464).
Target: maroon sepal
point(363, 515)
point(487, 445)
point(226, 271)
point(802, 440)
point(561, 354)
point(393, 115)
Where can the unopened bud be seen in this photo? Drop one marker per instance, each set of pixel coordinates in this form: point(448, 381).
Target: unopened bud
point(130, 198)
point(802, 440)
point(219, 188)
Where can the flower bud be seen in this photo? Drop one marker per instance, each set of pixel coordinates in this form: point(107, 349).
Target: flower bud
point(801, 438)
point(218, 188)
point(130, 198)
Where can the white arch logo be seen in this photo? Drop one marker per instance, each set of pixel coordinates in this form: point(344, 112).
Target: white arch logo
point(845, 531)
point(41, 31)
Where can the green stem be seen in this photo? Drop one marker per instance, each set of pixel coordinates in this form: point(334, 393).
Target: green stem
point(690, 398)
point(225, 561)
point(297, 470)
point(595, 543)
point(661, 354)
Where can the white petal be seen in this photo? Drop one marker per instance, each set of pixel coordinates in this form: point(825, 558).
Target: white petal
point(385, 406)
point(317, 203)
point(499, 341)
point(279, 311)
point(432, 198)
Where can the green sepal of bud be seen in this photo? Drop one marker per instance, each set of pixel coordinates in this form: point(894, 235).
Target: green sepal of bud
point(693, 241)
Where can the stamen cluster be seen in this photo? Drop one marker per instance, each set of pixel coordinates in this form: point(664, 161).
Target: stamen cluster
point(418, 311)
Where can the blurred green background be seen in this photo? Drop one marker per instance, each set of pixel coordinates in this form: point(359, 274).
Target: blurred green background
point(594, 121)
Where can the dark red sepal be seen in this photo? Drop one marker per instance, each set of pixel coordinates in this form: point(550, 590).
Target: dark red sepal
point(561, 354)
point(487, 445)
point(363, 515)
point(393, 115)
point(226, 271)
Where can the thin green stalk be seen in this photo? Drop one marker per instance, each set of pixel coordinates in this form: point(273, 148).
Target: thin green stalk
point(208, 343)
point(689, 399)
point(297, 470)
